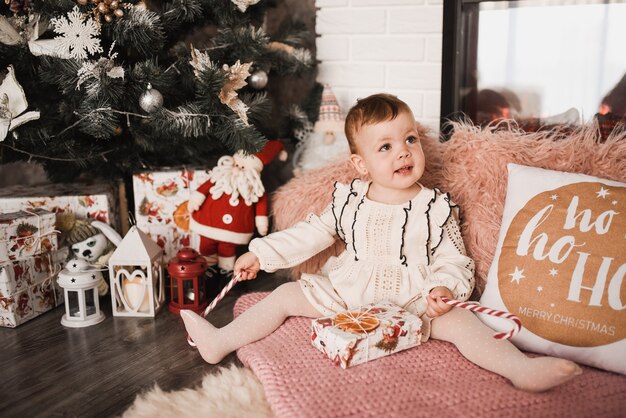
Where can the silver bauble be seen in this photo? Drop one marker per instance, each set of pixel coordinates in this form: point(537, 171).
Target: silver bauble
point(258, 80)
point(151, 100)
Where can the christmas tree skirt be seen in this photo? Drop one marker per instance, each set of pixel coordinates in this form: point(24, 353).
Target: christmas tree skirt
point(429, 380)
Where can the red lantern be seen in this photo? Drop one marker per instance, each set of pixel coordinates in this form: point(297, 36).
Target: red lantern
point(187, 287)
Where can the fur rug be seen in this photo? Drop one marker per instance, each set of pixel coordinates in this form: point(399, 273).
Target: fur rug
point(231, 392)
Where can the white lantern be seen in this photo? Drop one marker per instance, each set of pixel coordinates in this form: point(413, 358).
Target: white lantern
point(136, 274)
point(80, 286)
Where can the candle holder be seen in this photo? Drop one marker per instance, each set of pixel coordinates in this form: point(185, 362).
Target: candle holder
point(136, 272)
point(80, 288)
point(187, 287)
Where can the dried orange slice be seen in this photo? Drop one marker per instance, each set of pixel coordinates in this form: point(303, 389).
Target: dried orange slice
point(181, 216)
point(357, 322)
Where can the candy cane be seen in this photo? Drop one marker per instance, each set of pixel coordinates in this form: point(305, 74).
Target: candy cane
point(219, 297)
point(475, 307)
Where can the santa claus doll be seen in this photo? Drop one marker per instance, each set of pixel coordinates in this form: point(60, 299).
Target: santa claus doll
point(226, 209)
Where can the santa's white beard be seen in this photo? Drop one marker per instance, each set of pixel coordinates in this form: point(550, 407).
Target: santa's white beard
point(235, 182)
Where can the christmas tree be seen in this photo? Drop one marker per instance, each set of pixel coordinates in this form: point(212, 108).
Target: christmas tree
point(109, 87)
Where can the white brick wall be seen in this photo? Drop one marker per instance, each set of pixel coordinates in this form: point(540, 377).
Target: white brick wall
point(370, 46)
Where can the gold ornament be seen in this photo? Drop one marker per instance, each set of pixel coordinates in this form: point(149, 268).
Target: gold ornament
point(107, 9)
point(279, 46)
point(237, 74)
point(199, 61)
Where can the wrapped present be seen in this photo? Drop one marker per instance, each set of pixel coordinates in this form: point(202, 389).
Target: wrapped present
point(161, 206)
point(171, 238)
point(360, 335)
point(16, 276)
point(35, 288)
point(26, 233)
point(86, 201)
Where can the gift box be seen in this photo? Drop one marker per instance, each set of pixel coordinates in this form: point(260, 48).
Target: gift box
point(171, 239)
point(34, 285)
point(16, 276)
point(360, 335)
point(86, 201)
point(27, 233)
point(161, 206)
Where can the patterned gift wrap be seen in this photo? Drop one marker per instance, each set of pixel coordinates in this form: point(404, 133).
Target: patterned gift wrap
point(359, 335)
point(16, 276)
point(161, 206)
point(27, 233)
point(36, 288)
point(86, 201)
point(171, 239)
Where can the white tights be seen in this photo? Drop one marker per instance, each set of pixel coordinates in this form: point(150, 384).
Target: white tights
point(459, 326)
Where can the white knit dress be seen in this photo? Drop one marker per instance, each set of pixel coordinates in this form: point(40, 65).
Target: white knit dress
point(393, 252)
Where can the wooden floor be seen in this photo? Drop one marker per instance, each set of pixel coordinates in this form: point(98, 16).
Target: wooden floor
point(49, 370)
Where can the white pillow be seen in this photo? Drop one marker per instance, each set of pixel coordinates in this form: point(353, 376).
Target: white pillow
point(560, 265)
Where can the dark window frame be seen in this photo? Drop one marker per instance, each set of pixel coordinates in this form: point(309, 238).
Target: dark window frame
point(459, 58)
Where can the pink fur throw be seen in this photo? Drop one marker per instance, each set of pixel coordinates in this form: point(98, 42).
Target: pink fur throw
point(471, 166)
point(475, 173)
point(312, 192)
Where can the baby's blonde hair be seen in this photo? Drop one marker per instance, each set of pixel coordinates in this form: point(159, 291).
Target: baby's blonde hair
point(372, 109)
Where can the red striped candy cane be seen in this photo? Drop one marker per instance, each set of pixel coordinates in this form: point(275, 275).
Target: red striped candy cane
point(215, 301)
point(475, 307)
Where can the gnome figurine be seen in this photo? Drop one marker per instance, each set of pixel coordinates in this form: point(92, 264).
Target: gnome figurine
point(330, 121)
point(226, 209)
point(327, 142)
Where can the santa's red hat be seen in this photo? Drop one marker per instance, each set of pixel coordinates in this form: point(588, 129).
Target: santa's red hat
point(271, 150)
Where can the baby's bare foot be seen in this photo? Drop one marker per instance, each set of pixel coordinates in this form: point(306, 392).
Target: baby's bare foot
point(204, 335)
point(543, 373)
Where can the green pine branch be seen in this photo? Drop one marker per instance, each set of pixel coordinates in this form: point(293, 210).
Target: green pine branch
point(91, 122)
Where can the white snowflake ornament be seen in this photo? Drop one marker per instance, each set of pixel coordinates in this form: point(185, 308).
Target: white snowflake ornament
point(79, 34)
point(12, 104)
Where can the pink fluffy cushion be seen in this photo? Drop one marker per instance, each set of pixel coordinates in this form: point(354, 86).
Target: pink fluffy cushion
point(475, 173)
point(312, 192)
point(472, 167)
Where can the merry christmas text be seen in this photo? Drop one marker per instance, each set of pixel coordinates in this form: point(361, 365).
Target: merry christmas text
point(568, 321)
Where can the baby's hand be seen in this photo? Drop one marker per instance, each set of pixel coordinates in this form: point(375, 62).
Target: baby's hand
point(436, 306)
point(248, 265)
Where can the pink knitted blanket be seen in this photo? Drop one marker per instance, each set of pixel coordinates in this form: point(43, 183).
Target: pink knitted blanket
point(430, 380)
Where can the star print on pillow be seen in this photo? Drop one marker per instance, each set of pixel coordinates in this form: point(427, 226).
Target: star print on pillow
point(560, 265)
